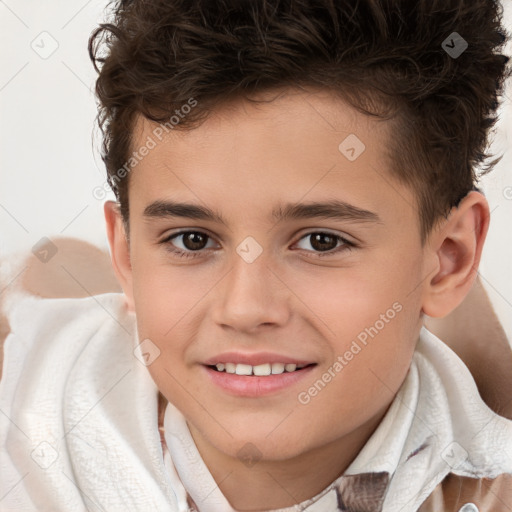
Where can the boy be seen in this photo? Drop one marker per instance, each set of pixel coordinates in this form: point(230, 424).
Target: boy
point(296, 192)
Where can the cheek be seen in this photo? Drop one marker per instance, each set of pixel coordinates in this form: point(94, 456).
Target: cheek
point(347, 301)
point(371, 357)
point(371, 320)
point(166, 295)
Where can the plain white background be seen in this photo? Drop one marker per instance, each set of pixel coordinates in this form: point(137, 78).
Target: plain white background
point(49, 165)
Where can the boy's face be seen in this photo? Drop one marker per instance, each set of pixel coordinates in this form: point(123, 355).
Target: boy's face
point(272, 289)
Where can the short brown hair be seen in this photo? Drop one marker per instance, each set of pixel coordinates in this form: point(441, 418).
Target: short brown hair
point(387, 58)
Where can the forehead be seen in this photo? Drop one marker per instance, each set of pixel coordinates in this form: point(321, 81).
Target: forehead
point(292, 145)
point(287, 112)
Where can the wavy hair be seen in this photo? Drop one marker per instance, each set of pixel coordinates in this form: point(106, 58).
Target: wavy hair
point(386, 58)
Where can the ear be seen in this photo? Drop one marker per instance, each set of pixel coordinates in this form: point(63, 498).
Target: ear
point(119, 250)
point(455, 249)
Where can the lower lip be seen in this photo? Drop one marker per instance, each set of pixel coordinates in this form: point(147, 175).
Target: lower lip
point(254, 386)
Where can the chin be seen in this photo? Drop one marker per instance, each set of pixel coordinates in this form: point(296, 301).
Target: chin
point(260, 446)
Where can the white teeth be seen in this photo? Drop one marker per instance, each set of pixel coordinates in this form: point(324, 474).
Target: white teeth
point(243, 369)
point(262, 369)
point(277, 368)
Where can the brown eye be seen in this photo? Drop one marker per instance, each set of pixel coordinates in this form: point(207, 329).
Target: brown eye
point(324, 244)
point(194, 240)
point(323, 241)
point(188, 243)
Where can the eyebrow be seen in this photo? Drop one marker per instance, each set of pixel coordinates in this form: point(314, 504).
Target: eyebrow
point(334, 209)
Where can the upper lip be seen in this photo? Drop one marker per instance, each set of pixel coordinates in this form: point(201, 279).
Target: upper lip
point(254, 359)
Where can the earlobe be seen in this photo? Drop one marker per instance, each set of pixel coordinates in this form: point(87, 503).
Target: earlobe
point(456, 249)
point(119, 249)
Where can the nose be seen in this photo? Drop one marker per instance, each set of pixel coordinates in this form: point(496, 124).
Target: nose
point(252, 296)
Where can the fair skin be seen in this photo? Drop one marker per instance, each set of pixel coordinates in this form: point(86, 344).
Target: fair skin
point(242, 163)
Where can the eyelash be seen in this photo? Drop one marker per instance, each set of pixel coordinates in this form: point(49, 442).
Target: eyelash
point(347, 244)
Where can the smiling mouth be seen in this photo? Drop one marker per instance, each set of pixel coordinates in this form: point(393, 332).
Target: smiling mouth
point(261, 370)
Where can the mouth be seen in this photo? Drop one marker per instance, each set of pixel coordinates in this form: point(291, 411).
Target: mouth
point(260, 370)
point(258, 380)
